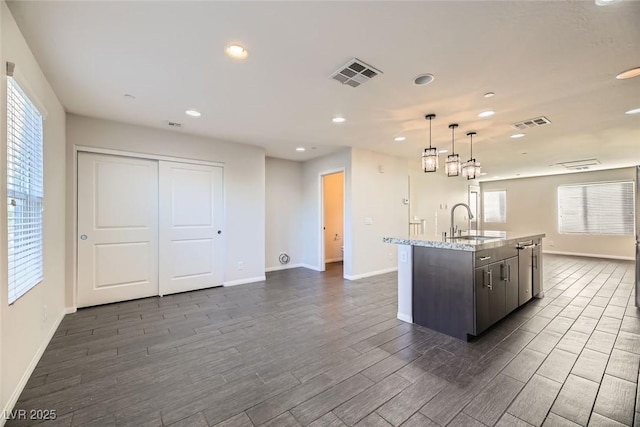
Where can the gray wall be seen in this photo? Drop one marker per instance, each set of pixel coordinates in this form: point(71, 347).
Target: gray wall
point(532, 208)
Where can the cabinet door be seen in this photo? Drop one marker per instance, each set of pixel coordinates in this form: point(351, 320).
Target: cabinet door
point(497, 289)
point(482, 299)
point(510, 277)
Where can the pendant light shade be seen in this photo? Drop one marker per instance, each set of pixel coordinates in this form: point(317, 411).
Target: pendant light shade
point(471, 169)
point(453, 166)
point(430, 155)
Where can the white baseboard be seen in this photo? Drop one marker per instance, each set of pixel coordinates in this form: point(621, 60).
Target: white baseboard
point(32, 365)
point(405, 317)
point(370, 274)
point(70, 310)
point(311, 267)
point(333, 260)
point(624, 258)
point(282, 267)
point(245, 281)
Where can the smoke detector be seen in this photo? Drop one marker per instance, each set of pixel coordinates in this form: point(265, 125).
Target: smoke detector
point(355, 72)
point(532, 123)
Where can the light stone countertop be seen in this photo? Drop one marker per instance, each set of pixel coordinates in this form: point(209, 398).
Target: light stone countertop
point(474, 241)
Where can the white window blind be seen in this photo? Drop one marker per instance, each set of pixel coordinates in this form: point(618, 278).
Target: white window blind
point(601, 208)
point(25, 192)
point(494, 205)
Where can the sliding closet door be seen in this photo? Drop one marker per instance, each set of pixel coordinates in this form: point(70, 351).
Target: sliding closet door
point(117, 228)
point(191, 214)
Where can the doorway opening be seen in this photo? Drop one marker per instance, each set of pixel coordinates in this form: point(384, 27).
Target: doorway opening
point(332, 250)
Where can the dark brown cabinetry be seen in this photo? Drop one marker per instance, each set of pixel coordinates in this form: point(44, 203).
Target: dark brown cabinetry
point(496, 287)
point(463, 293)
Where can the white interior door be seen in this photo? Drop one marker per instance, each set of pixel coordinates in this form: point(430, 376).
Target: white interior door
point(191, 215)
point(117, 228)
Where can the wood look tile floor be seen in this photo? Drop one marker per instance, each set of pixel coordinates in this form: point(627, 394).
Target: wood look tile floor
point(308, 348)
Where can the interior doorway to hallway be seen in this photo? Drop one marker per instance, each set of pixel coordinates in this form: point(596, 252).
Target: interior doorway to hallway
point(333, 220)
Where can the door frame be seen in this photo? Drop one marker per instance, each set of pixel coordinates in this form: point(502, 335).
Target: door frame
point(321, 254)
point(72, 262)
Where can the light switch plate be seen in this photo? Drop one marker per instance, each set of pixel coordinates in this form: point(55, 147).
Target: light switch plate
point(368, 221)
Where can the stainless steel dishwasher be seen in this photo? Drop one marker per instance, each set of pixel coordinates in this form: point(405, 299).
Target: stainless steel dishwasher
point(525, 270)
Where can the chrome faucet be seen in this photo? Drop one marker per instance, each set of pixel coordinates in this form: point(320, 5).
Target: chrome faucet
point(452, 229)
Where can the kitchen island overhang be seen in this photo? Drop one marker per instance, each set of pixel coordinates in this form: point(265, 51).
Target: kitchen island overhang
point(461, 286)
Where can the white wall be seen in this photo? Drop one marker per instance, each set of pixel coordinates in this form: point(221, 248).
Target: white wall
point(283, 180)
point(311, 217)
point(333, 216)
point(244, 183)
point(432, 196)
point(377, 194)
point(532, 208)
point(24, 329)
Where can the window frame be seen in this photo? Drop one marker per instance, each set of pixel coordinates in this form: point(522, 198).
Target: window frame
point(584, 184)
point(15, 82)
point(484, 210)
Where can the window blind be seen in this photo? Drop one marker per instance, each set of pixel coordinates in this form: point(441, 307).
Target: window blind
point(600, 208)
point(495, 206)
point(25, 192)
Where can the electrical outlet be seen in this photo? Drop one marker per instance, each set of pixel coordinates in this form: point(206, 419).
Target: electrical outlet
point(390, 255)
point(403, 257)
point(240, 265)
point(550, 242)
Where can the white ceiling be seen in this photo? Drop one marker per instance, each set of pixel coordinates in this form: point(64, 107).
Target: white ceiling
point(554, 58)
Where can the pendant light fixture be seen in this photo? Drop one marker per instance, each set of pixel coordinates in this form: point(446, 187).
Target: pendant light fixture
point(471, 169)
point(430, 155)
point(452, 166)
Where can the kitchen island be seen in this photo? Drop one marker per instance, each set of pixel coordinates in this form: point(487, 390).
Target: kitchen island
point(461, 286)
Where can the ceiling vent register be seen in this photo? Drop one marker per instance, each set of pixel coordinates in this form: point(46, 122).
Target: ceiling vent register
point(579, 165)
point(531, 123)
point(355, 72)
point(174, 125)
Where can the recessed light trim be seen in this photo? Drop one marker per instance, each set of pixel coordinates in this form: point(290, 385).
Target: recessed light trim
point(193, 113)
point(633, 72)
point(483, 173)
point(634, 111)
point(489, 95)
point(605, 2)
point(443, 151)
point(487, 113)
point(236, 51)
point(301, 149)
point(338, 119)
point(518, 135)
point(399, 138)
point(423, 79)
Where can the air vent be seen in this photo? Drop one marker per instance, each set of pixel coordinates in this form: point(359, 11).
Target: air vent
point(532, 123)
point(354, 73)
point(579, 165)
point(174, 125)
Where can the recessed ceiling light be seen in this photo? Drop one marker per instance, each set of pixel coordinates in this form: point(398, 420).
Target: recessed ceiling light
point(488, 113)
point(634, 72)
point(517, 135)
point(423, 79)
point(443, 151)
point(489, 94)
point(236, 51)
point(634, 111)
point(193, 113)
point(399, 138)
point(338, 120)
point(524, 153)
point(483, 173)
point(605, 2)
point(301, 149)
